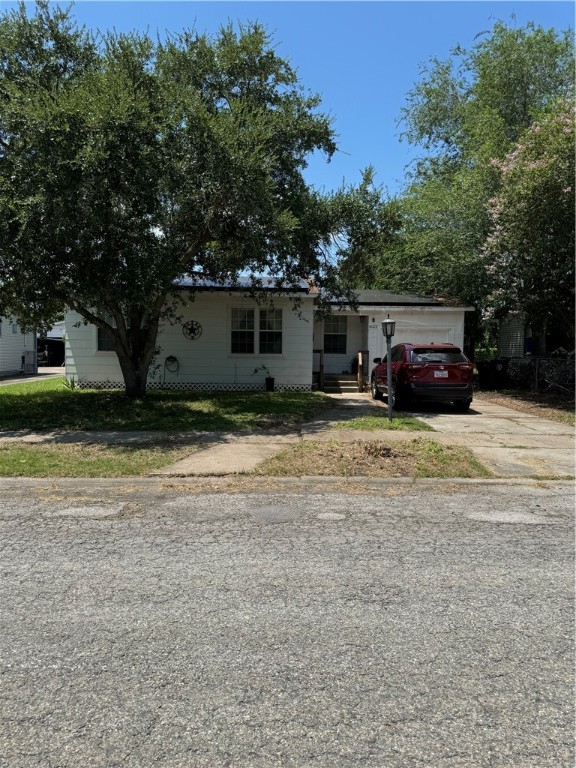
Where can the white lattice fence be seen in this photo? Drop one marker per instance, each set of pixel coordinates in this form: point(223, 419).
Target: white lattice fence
point(194, 387)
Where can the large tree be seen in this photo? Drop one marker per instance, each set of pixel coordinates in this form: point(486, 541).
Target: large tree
point(127, 163)
point(464, 114)
point(529, 255)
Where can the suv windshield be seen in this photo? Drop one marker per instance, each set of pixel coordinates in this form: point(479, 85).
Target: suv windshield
point(436, 356)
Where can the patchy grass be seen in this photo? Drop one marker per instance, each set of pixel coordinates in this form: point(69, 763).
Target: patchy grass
point(416, 458)
point(49, 405)
point(399, 422)
point(87, 459)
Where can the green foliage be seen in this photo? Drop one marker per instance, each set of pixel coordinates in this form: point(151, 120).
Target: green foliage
point(467, 113)
point(127, 163)
point(529, 255)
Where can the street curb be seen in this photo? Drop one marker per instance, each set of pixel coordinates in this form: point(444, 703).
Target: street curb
point(296, 483)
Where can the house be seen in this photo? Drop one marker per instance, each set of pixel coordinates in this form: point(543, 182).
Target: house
point(226, 341)
point(17, 349)
point(418, 319)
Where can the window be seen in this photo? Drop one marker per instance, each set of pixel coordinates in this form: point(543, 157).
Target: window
point(15, 328)
point(105, 338)
point(242, 331)
point(245, 332)
point(105, 341)
point(438, 356)
point(270, 332)
point(335, 329)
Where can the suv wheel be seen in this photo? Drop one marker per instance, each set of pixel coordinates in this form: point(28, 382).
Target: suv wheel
point(374, 391)
point(462, 405)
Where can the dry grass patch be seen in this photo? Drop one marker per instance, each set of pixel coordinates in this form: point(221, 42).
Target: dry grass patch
point(88, 459)
point(415, 458)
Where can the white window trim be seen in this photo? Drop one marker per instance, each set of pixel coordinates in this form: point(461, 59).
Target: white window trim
point(97, 351)
point(256, 355)
point(346, 334)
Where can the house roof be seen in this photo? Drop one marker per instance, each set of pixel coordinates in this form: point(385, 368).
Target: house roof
point(369, 298)
point(364, 297)
point(242, 284)
point(391, 299)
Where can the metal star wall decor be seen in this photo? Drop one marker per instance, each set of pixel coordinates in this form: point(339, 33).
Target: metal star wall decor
point(192, 330)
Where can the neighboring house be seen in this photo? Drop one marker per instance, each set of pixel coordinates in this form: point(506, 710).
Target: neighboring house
point(17, 349)
point(224, 336)
point(513, 340)
point(517, 339)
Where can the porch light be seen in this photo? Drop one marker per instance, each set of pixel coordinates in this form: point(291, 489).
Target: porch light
point(388, 327)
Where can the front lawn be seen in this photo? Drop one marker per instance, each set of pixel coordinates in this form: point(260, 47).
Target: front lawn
point(50, 405)
point(88, 460)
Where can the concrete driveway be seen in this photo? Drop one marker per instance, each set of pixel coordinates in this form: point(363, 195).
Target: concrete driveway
point(507, 441)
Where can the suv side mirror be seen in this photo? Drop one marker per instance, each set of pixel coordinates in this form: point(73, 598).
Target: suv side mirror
point(377, 360)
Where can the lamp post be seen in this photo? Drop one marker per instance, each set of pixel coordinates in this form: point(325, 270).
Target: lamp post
point(388, 327)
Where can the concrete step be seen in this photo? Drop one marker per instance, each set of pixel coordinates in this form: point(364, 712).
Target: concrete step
point(341, 385)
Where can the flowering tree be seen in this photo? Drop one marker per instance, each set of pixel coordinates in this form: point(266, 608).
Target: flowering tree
point(529, 255)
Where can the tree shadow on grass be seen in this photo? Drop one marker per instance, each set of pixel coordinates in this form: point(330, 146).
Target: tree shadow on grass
point(62, 409)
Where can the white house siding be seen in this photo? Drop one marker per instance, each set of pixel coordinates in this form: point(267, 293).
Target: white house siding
point(15, 345)
point(511, 335)
point(420, 325)
point(206, 362)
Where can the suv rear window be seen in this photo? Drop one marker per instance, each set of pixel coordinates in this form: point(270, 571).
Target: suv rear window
point(436, 356)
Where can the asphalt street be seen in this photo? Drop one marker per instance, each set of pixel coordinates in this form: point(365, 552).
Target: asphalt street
point(311, 625)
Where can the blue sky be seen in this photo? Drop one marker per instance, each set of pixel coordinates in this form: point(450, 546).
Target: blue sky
point(361, 57)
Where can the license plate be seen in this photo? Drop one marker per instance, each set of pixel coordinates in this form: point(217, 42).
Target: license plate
point(440, 374)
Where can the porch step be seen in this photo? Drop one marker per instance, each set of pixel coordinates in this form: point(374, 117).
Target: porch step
point(340, 385)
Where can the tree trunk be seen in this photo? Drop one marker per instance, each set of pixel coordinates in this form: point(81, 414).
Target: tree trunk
point(136, 363)
point(135, 377)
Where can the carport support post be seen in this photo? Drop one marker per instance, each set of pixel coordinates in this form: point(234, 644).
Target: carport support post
point(388, 327)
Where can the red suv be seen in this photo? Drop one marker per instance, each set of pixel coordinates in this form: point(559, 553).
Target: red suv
point(436, 372)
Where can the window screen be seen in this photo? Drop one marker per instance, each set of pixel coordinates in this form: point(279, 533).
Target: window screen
point(105, 341)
